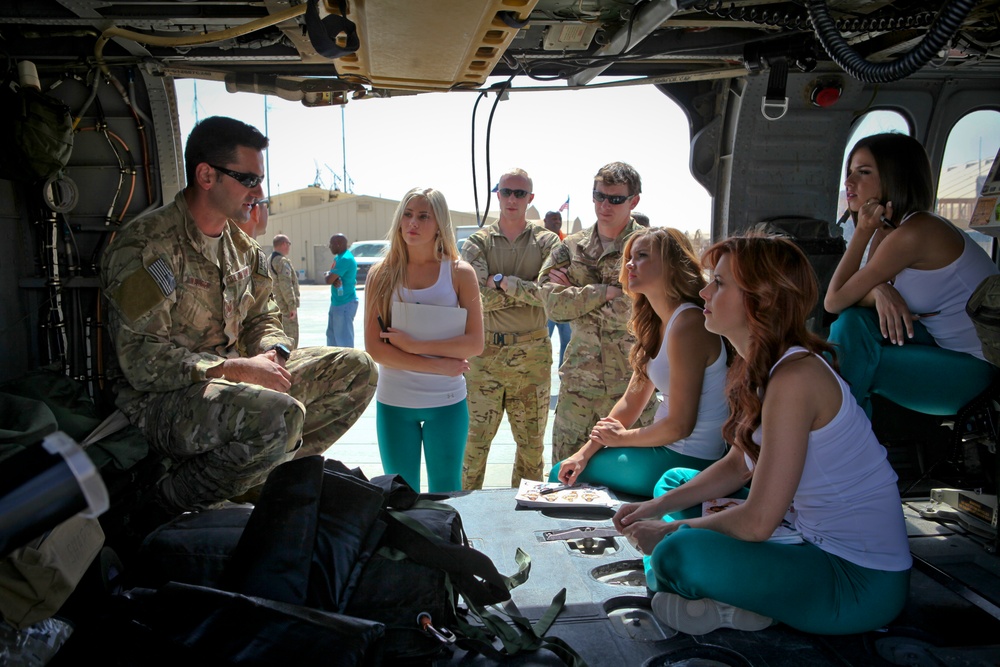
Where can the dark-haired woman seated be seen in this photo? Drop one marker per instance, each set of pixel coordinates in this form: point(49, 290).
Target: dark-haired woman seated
point(903, 331)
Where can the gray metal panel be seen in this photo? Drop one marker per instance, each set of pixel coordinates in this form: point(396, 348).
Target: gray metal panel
point(784, 166)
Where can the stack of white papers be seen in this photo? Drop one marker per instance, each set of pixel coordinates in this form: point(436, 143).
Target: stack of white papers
point(425, 322)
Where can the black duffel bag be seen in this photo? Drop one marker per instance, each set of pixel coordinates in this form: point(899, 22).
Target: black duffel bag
point(322, 536)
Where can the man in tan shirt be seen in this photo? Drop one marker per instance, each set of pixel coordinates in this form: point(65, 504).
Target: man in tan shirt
point(513, 372)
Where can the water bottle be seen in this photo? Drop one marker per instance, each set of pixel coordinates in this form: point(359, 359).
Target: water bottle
point(340, 289)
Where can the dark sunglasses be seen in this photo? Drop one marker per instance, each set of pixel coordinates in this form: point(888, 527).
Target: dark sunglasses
point(614, 200)
point(506, 192)
point(243, 178)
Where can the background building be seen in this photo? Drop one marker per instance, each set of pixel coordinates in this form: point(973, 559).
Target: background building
point(310, 216)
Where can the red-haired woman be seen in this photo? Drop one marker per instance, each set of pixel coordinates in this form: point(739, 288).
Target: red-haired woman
point(799, 438)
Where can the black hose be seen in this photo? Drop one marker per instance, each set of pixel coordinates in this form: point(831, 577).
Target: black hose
point(947, 24)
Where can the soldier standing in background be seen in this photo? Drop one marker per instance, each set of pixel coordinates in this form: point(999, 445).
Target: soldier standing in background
point(514, 371)
point(580, 281)
point(187, 292)
point(553, 223)
point(285, 286)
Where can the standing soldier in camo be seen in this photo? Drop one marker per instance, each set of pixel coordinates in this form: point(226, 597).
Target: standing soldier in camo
point(285, 286)
point(513, 373)
point(187, 292)
point(580, 285)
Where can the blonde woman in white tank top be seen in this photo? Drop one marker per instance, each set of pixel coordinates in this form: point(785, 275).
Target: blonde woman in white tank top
point(420, 399)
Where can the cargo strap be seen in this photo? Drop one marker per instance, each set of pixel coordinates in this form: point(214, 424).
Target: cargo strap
point(774, 104)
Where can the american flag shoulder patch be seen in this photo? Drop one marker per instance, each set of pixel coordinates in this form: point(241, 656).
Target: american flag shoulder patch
point(162, 276)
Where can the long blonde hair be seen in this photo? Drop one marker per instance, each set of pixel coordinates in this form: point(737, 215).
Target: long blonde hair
point(386, 277)
point(682, 280)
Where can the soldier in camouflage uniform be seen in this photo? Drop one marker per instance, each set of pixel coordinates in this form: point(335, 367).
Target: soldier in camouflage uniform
point(580, 285)
point(514, 371)
point(186, 291)
point(285, 286)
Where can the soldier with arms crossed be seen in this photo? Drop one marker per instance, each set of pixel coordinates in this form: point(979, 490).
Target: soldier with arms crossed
point(580, 281)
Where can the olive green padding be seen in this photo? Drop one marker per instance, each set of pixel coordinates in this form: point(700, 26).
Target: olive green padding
point(137, 295)
point(23, 422)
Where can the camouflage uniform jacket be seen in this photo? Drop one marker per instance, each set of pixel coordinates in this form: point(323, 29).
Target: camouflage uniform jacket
point(175, 310)
point(597, 355)
point(284, 283)
point(520, 308)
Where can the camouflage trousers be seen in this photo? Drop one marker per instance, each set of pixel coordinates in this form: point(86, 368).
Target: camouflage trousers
point(515, 378)
point(578, 410)
point(291, 329)
point(222, 438)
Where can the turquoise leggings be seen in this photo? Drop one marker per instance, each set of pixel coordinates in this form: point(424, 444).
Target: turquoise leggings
point(442, 432)
point(798, 584)
point(634, 470)
point(918, 375)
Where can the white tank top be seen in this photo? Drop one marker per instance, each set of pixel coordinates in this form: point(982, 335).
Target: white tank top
point(412, 389)
point(847, 503)
point(948, 289)
point(705, 441)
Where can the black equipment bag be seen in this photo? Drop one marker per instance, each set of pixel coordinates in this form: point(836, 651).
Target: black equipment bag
point(194, 548)
point(323, 536)
point(309, 536)
point(424, 562)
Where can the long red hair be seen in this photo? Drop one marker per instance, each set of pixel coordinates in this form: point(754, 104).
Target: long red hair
point(779, 291)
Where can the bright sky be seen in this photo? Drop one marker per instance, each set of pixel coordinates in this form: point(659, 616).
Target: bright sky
point(561, 138)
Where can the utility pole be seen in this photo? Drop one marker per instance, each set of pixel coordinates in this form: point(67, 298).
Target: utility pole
point(267, 155)
point(343, 145)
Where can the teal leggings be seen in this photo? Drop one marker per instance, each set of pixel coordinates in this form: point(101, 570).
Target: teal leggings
point(797, 584)
point(442, 432)
point(918, 375)
point(634, 470)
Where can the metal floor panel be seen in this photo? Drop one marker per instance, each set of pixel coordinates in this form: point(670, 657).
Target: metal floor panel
point(607, 621)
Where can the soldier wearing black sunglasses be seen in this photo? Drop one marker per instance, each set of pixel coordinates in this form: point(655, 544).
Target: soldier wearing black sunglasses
point(580, 285)
point(209, 374)
point(246, 179)
point(514, 371)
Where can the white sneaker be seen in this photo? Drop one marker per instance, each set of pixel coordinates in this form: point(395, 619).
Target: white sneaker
point(697, 617)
